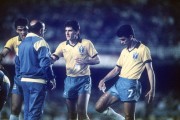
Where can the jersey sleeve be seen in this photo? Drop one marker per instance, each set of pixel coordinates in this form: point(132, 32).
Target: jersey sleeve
point(10, 44)
point(91, 50)
point(59, 51)
point(146, 57)
point(120, 60)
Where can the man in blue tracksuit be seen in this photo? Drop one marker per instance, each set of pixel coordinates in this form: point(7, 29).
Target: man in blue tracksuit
point(35, 69)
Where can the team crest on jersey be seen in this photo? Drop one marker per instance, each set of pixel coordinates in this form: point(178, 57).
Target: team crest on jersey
point(81, 49)
point(135, 55)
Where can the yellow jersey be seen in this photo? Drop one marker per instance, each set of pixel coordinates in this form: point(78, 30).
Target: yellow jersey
point(132, 63)
point(12, 44)
point(84, 49)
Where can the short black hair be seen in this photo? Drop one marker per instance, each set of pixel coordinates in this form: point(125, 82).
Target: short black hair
point(125, 31)
point(21, 22)
point(73, 23)
point(35, 26)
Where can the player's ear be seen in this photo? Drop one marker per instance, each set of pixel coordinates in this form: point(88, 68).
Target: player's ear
point(131, 37)
point(17, 31)
point(41, 31)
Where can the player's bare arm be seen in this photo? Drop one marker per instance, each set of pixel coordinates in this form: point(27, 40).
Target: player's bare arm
point(89, 61)
point(54, 58)
point(151, 93)
point(4, 52)
point(109, 76)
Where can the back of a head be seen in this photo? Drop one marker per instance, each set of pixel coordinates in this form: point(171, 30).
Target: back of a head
point(21, 22)
point(125, 31)
point(35, 26)
point(74, 24)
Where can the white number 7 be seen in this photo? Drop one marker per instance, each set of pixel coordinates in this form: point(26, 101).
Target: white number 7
point(130, 92)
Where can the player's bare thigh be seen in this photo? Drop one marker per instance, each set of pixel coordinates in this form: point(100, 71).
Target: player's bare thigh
point(83, 100)
point(105, 101)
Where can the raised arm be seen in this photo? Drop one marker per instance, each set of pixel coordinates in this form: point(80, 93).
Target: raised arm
point(109, 76)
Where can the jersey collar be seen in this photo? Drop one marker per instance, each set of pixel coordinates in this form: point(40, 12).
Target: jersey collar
point(79, 41)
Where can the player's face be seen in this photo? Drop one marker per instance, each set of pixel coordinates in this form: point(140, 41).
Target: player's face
point(22, 31)
point(71, 34)
point(124, 40)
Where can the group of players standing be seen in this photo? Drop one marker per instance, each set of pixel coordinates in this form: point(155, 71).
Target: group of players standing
point(34, 74)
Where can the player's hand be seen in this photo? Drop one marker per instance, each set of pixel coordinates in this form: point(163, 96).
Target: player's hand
point(53, 59)
point(80, 61)
point(102, 86)
point(51, 85)
point(150, 96)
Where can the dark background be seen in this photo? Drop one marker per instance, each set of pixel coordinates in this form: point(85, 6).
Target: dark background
point(156, 24)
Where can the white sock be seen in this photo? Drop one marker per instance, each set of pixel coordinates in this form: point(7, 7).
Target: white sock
point(13, 117)
point(110, 112)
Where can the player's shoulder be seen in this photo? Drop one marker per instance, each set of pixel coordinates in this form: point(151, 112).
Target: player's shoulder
point(86, 41)
point(15, 38)
point(63, 43)
point(143, 46)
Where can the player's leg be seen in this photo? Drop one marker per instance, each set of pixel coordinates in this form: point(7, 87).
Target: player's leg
point(84, 90)
point(105, 101)
point(82, 105)
point(37, 97)
point(72, 108)
point(129, 110)
point(103, 104)
point(16, 100)
point(16, 104)
point(130, 91)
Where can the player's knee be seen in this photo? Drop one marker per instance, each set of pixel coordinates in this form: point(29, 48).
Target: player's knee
point(98, 108)
point(72, 115)
point(129, 117)
point(15, 110)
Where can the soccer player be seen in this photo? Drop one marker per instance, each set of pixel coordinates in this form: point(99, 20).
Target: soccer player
point(34, 67)
point(79, 54)
point(131, 63)
point(4, 88)
point(21, 27)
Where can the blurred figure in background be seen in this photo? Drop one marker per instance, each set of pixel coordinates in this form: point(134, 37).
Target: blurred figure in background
point(34, 67)
point(21, 26)
point(78, 53)
point(4, 89)
point(131, 63)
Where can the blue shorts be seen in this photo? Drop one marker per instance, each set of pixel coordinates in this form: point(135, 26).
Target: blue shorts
point(73, 86)
point(17, 88)
point(126, 89)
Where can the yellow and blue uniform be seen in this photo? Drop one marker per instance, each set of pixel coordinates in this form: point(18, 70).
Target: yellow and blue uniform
point(132, 64)
point(78, 76)
point(12, 45)
point(35, 69)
